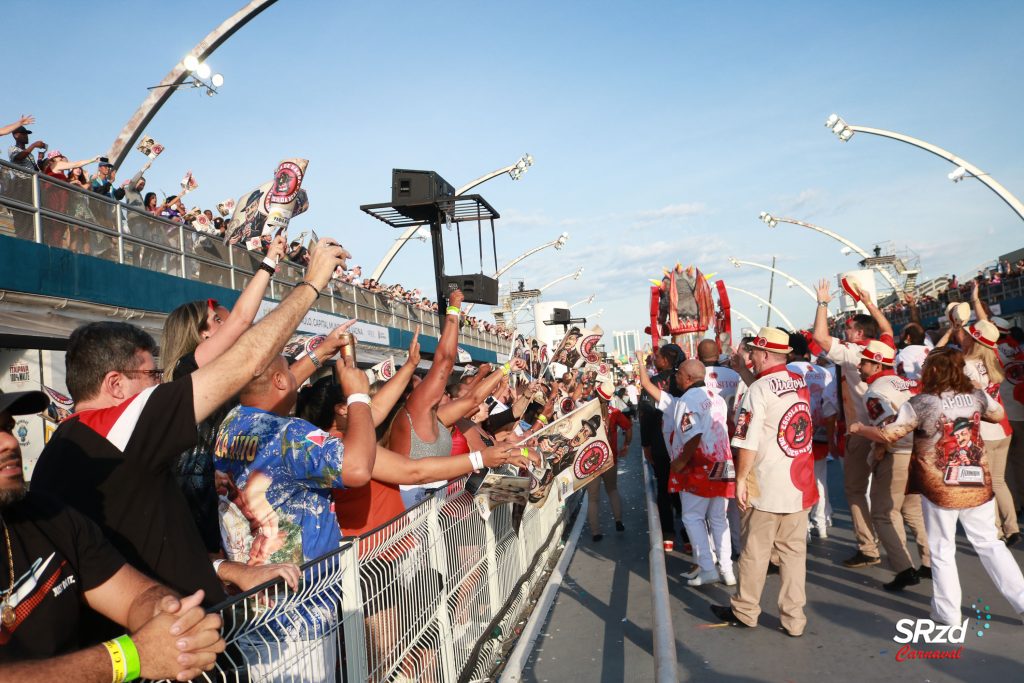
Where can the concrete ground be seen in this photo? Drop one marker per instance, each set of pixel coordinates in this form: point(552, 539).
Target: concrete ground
point(599, 629)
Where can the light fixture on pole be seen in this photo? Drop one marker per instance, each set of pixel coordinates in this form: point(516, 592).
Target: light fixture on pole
point(764, 302)
point(518, 168)
point(589, 300)
point(964, 169)
point(557, 243)
point(576, 275)
point(792, 280)
point(200, 75)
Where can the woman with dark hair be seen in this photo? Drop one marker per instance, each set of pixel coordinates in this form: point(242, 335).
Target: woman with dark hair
point(950, 470)
point(149, 203)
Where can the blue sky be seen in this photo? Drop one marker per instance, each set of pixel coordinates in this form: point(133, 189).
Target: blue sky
point(660, 130)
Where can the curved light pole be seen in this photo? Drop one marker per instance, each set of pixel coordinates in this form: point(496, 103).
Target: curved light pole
point(594, 316)
point(964, 168)
point(589, 300)
point(742, 315)
point(557, 243)
point(515, 171)
point(789, 323)
point(738, 262)
point(575, 275)
point(772, 221)
point(159, 95)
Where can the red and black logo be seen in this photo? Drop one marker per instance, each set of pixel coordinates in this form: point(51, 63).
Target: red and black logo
point(795, 430)
point(742, 423)
point(587, 347)
point(591, 460)
point(874, 407)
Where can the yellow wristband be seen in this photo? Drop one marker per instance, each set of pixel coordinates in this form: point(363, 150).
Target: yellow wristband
point(453, 310)
point(543, 420)
point(117, 660)
point(525, 452)
point(506, 369)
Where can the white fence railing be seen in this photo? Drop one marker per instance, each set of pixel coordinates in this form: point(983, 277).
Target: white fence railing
point(40, 209)
point(434, 596)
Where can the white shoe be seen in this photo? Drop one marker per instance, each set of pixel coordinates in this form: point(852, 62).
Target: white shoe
point(728, 578)
point(692, 574)
point(705, 578)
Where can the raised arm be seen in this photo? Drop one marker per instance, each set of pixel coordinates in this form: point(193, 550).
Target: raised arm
point(68, 165)
point(645, 380)
point(244, 311)
point(451, 412)
point(389, 393)
point(304, 368)
point(392, 468)
point(915, 312)
point(821, 333)
point(884, 326)
point(225, 376)
point(428, 392)
point(23, 120)
point(979, 307)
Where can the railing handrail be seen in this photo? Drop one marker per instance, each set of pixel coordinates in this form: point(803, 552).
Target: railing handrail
point(386, 311)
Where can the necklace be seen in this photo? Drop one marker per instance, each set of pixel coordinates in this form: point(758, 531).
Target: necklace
point(7, 615)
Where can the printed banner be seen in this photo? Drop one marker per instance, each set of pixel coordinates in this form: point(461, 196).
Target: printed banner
point(150, 147)
point(188, 183)
point(577, 347)
point(382, 371)
point(264, 213)
point(226, 207)
point(575, 450)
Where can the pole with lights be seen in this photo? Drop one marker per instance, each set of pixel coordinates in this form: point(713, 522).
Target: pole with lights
point(762, 300)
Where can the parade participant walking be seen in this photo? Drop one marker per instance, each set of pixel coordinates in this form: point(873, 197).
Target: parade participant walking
point(950, 470)
point(666, 359)
point(775, 485)
point(614, 421)
point(859, 330)
point(891, 506)
point(824, 407)
point(697, 437)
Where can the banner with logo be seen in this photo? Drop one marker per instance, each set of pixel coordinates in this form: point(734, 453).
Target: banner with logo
point(382, 371)
point(577, 347)
point(150, 147)
point(264, 213)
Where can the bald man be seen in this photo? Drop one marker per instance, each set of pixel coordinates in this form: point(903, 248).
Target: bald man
point(697, 436)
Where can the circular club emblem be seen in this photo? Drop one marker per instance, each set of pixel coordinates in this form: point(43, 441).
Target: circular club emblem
point(591, 459)
point(286, 185)
point(795, 430)
point(588, 348)
point(567, 405)
point(387, 370)
point(313, 343)
point(1014, 372)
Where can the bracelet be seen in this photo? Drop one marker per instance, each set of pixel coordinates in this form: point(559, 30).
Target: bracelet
point(216, 566)
point(124, 658)
point(358, 398)
point(506, 369)
point(310, 285)
point(269, 265)
point(823, 304)
point(525, 452)
point(453, 310)
point(543, 420)
point(476, 459)
point(314, 360)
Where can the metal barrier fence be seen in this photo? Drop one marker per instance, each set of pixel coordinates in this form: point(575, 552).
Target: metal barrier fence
point(1010, 287)
point(37, 208)
point(433, 596)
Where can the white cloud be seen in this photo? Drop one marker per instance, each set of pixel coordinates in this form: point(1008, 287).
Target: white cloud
point(672, 211)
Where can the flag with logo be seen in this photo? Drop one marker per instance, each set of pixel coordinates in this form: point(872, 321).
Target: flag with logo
point(577, 347)
point(574, 449)
point(264, 213)
point(150, 147)
point(60, 407)
point(188, 183)
point(382, 371)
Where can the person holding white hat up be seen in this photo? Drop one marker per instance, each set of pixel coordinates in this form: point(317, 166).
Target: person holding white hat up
point(890, 467)
point(775, 486)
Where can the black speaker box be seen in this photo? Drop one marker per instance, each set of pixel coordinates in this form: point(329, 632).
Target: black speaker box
point(478, 288)
point(560, 316)
point(418, 187)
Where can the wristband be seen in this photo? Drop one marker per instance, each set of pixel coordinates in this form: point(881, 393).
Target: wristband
point(216, 566)
point(823, 304)
point(525, 452)
point(310, 285)
point(358, 398)
point(453, 310)
point(314, 360)
point(506, 369)
point(269, 265)
point(124, 658)
point(543, 420)
point(476, 459)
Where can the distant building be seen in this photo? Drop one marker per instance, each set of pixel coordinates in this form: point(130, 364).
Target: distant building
point(627, 343)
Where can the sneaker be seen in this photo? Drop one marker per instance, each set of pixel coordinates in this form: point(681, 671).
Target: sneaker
point(859, 560)
point(924, 572)
point(728, 578)
point(726, 614)
point(692, 574)
point(619, 526)
point(705, 578)
point(907, 577)
point(668, 546)
point(597, 537)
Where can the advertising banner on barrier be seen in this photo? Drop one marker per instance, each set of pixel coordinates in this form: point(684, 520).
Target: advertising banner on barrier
point(318, 322)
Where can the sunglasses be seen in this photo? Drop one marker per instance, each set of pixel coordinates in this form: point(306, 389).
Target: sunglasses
point(153, 374)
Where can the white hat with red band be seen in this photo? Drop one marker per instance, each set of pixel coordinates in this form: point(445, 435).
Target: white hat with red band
point(606, 390)
point(960, 312)
point(772, 340)
point(851, 287)
point(879, 352)
point(1002, 324)
point(985, 333)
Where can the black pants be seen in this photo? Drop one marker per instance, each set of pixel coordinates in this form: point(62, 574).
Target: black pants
point(670, 508)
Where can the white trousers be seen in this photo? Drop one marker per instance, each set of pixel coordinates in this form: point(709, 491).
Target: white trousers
point(696, 510)
point(821, 511)
point(978, 524)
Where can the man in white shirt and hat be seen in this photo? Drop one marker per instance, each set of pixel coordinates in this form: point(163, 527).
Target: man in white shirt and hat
point(775, 486)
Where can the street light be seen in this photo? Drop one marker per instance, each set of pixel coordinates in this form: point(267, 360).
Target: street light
point(589, 300)
point(964, 169)
point(773, 221)
point(199, 76)
point(515, 171)
point(576, 275)
point(557, 243)
point(792, 280)
point(765, 302)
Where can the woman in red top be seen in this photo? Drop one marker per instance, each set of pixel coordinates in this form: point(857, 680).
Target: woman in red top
point(614, 419)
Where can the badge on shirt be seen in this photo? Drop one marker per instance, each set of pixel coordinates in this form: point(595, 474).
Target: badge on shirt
point(964, 475)
point(723, 471)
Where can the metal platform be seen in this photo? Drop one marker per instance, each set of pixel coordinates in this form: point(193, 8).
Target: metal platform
point(469, 207)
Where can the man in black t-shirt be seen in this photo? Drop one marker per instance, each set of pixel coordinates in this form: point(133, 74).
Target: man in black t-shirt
point(114, 458)
point(54, 562)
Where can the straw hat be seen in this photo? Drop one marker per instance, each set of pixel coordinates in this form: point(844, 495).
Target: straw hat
point(985, 333)
point(879, 352)
point(1002, 324)
point(959, 312)
point(772, 340)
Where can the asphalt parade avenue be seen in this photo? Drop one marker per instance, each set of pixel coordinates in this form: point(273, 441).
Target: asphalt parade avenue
point(599, 629)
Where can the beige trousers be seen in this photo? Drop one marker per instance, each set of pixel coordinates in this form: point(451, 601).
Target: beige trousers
point(891, 507)
point(786, 534)
point(1006, 511)
point(856, 472)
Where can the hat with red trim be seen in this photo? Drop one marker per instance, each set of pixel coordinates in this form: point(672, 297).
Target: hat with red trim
point(772, 340)
point(879, 352)
point(606, 390)
point(1002, 324)
point(851, 288)
point(985, 333)
point(960, 312)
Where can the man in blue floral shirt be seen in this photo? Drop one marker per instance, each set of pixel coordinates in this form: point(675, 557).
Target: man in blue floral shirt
point(275, 473)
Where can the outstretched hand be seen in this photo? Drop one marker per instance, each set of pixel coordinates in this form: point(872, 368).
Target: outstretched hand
point(824, 295)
